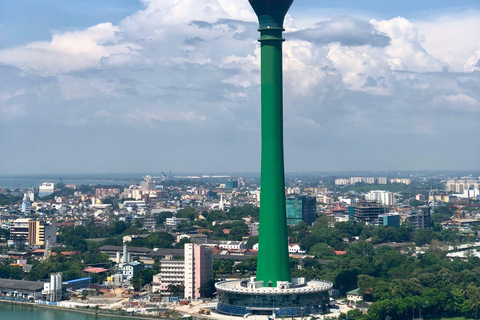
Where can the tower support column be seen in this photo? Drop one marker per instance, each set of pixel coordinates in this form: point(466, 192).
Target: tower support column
point(273, 261)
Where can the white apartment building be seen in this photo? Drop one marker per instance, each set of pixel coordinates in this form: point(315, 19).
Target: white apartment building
point(383, 197)
point(460, 185)
point(229, 245)
point(401, 181)
point(172, 273)
point(174, 221)
point(45, 189)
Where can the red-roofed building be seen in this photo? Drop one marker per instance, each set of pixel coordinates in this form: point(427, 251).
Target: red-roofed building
point(66, 224)
point(338, 253)
point(95, 270)
point(339, 209)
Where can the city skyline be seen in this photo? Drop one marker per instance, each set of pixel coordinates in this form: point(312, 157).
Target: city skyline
point(125, 86)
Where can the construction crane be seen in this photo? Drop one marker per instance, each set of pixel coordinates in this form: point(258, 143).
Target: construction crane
point(459, 219)
point(459, 215)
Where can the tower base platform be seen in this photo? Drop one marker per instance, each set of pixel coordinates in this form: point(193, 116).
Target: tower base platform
point(301, 297)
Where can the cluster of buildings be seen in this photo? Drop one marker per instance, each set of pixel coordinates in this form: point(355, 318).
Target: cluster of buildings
point(355, 180)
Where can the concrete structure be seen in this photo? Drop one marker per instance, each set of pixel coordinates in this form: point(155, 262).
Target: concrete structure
point(439, 197)
point(198, 269)
point(46, 189)
point(19, 230)
point(301, 209)
point(172, 273)
point(26, 207)
point(273, 291)
point(367, 211)
point(148, 184)
point(391, 219)
point(420, 217)
point(41, 231)
point(224, 244)
point(253, 229)
point(385, 198)
point(21, 288)
point(34, 232)
point(53, 289)
point(460, 185)
point(174, 221)
point(149, 224)
point(401, 181)
point(129, 270)
point(354, 296)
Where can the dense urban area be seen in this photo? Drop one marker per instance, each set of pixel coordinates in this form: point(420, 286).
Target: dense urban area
point(394, 246)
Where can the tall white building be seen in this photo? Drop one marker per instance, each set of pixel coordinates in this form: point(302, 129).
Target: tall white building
point(172, 273)
point(198, 269)
point(45, 189)
point(383, 197)
point(382, 180)
point(148, 184)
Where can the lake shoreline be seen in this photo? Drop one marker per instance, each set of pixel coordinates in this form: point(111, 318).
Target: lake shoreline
point(78, 310)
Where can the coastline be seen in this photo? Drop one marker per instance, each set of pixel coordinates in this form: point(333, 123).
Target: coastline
point(84, 311)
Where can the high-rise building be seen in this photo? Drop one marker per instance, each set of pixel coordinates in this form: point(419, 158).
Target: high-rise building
point(198, 269)
point(19, 230)
point(148, 184)
point(367, 211)
point(383, 197)
point(41, 231)
point(421, 217)
point(34, 232)
point(26, 207)
point(301, 209)
point(231, 184)
point(46, 189)
point(389, 219)
point(172, 273)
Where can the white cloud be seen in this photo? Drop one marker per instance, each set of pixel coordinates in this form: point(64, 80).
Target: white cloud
point(68, 51)
point(187, 69)
point(453, 39)
point(459, 102)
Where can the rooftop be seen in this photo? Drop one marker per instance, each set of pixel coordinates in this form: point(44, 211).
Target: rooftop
point(21, 285)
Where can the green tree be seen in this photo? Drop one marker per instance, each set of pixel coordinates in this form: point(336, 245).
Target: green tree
point(322, 251)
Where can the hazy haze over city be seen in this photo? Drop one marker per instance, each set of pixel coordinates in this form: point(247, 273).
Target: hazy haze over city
point(130, 86)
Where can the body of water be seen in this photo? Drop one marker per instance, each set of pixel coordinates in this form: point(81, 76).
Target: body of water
point(13, 311)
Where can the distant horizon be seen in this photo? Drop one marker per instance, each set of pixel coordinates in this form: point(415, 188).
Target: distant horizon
point(472, 171)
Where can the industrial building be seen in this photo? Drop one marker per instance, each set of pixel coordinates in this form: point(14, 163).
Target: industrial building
point(21, 288)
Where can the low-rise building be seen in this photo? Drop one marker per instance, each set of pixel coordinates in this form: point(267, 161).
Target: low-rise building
point(130, 269)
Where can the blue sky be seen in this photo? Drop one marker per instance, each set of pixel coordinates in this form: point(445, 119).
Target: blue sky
point(160, 85)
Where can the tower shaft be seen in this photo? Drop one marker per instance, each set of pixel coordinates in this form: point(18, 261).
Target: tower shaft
point(273, 260)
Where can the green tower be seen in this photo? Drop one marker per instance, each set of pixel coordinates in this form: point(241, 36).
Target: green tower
point(273, 262)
